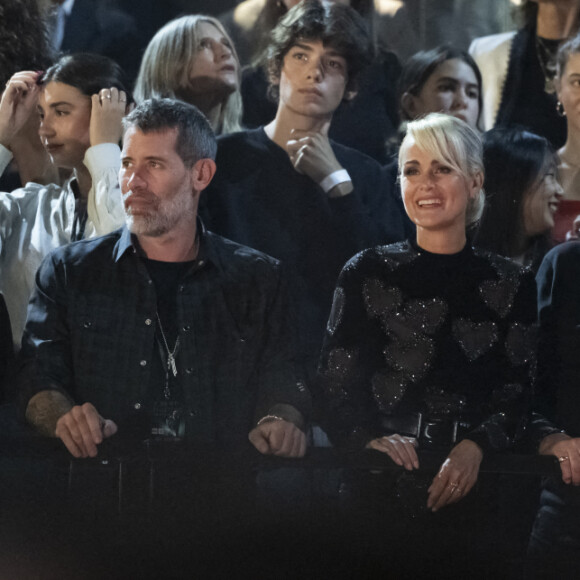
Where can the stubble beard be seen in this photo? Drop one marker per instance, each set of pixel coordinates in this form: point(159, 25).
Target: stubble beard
point(161, 219)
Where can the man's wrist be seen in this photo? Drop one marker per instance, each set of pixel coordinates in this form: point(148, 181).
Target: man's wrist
point(284, 412)
point(45, 409)
point(333, 179)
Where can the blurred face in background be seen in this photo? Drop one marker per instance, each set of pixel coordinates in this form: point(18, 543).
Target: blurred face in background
point(541, 202)
point(568, 86)
point(452, 89)
point(215, 68)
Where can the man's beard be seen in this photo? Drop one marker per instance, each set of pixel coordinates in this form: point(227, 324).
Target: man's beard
point(161, 218)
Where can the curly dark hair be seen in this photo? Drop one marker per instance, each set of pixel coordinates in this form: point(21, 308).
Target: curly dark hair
point(335, 25)
point(23, 39)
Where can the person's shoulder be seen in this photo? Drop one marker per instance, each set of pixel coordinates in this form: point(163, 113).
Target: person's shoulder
point(237, 256)
point(566, 255)
point(254, 138)
point(504, 267)
point(387, 256)
point(86, 251)
point(241, 152)
point(488, 44)
point(348, 155)
point(33, 197)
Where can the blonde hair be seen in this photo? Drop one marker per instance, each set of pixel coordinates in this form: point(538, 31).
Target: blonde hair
point(166, 63)
point(453, 142)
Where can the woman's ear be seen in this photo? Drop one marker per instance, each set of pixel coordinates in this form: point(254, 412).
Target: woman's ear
point(476, 184)
point(408, 105)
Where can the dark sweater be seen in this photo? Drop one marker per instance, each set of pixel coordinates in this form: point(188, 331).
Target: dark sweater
point(443, 335)
point(257, 198)
point(558, 394)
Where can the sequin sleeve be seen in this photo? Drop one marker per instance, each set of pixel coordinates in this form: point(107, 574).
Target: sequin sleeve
point(345, 405)
point(512, 298)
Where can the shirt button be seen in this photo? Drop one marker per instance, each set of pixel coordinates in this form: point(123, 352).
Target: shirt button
point(149, 282)
point(201, 263)
point(143, 363)
point(189, 370)
point(137, 406)
point(186, 328)
point(148, 321)
point(88, 324)
point(181, 288)
point(193, 413)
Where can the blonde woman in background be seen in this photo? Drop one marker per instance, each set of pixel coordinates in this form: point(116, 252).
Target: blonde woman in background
point(193, 59)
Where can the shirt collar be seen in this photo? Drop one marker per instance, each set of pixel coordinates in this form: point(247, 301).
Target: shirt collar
point(129, 243)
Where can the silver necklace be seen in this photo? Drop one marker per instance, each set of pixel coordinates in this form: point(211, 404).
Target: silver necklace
point(170, 358)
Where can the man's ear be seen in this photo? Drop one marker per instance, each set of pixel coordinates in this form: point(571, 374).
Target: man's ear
point(202, 173)
point(408, 105)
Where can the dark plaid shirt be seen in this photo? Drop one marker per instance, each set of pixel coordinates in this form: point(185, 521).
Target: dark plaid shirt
point(91, 335)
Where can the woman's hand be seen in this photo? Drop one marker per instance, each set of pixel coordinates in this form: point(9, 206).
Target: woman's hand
point(456, 476)
point(399, 448)
point(18, 104)
point(574, 233)
point(567, 450)
point(108, 108)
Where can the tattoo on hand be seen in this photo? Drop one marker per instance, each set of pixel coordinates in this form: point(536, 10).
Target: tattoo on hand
point(45, 409)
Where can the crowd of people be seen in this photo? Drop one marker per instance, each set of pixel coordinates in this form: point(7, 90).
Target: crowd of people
point(323, 247)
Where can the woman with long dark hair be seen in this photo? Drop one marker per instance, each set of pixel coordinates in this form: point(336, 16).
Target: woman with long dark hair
point(522, 195)
point(81, 100)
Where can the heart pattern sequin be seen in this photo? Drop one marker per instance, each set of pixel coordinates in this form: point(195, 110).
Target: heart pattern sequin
point(475, 338)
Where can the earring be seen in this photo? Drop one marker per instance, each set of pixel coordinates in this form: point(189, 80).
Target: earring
point(560, 109)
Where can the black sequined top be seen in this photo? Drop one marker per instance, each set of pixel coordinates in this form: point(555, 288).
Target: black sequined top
point(411, 331)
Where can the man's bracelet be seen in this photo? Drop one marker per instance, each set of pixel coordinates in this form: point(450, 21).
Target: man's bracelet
point(269, 419)
point(340, 176)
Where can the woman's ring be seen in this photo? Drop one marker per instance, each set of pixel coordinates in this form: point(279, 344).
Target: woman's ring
point(563, 458)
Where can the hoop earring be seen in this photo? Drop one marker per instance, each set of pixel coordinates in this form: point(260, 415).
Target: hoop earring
point(560, 109)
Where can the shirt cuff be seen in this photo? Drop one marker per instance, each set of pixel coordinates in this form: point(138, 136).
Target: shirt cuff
point(102, 156)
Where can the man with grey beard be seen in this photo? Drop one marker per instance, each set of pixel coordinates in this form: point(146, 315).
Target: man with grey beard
point(162, 329)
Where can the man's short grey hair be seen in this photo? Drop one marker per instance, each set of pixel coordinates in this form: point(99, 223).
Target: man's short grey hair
point(453, 142)
point(195, 137)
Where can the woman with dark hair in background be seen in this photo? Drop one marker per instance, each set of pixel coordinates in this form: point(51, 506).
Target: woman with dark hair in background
point(441, 80)
point(368, 122)
point(522, 195)
point(193, 59)
point(81, 101)
point(519, 68)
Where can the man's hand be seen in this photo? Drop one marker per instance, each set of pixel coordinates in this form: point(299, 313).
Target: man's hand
point(312, 155)
point(456, 476)
point(82, 429)
point(107, 111)
point(18, 104)
point(280, 438)
point(567, 450)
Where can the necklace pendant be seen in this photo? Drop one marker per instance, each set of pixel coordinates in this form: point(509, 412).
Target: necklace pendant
point(171, 364)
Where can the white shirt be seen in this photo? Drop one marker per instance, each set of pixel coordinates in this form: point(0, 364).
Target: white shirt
point(36, 219)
